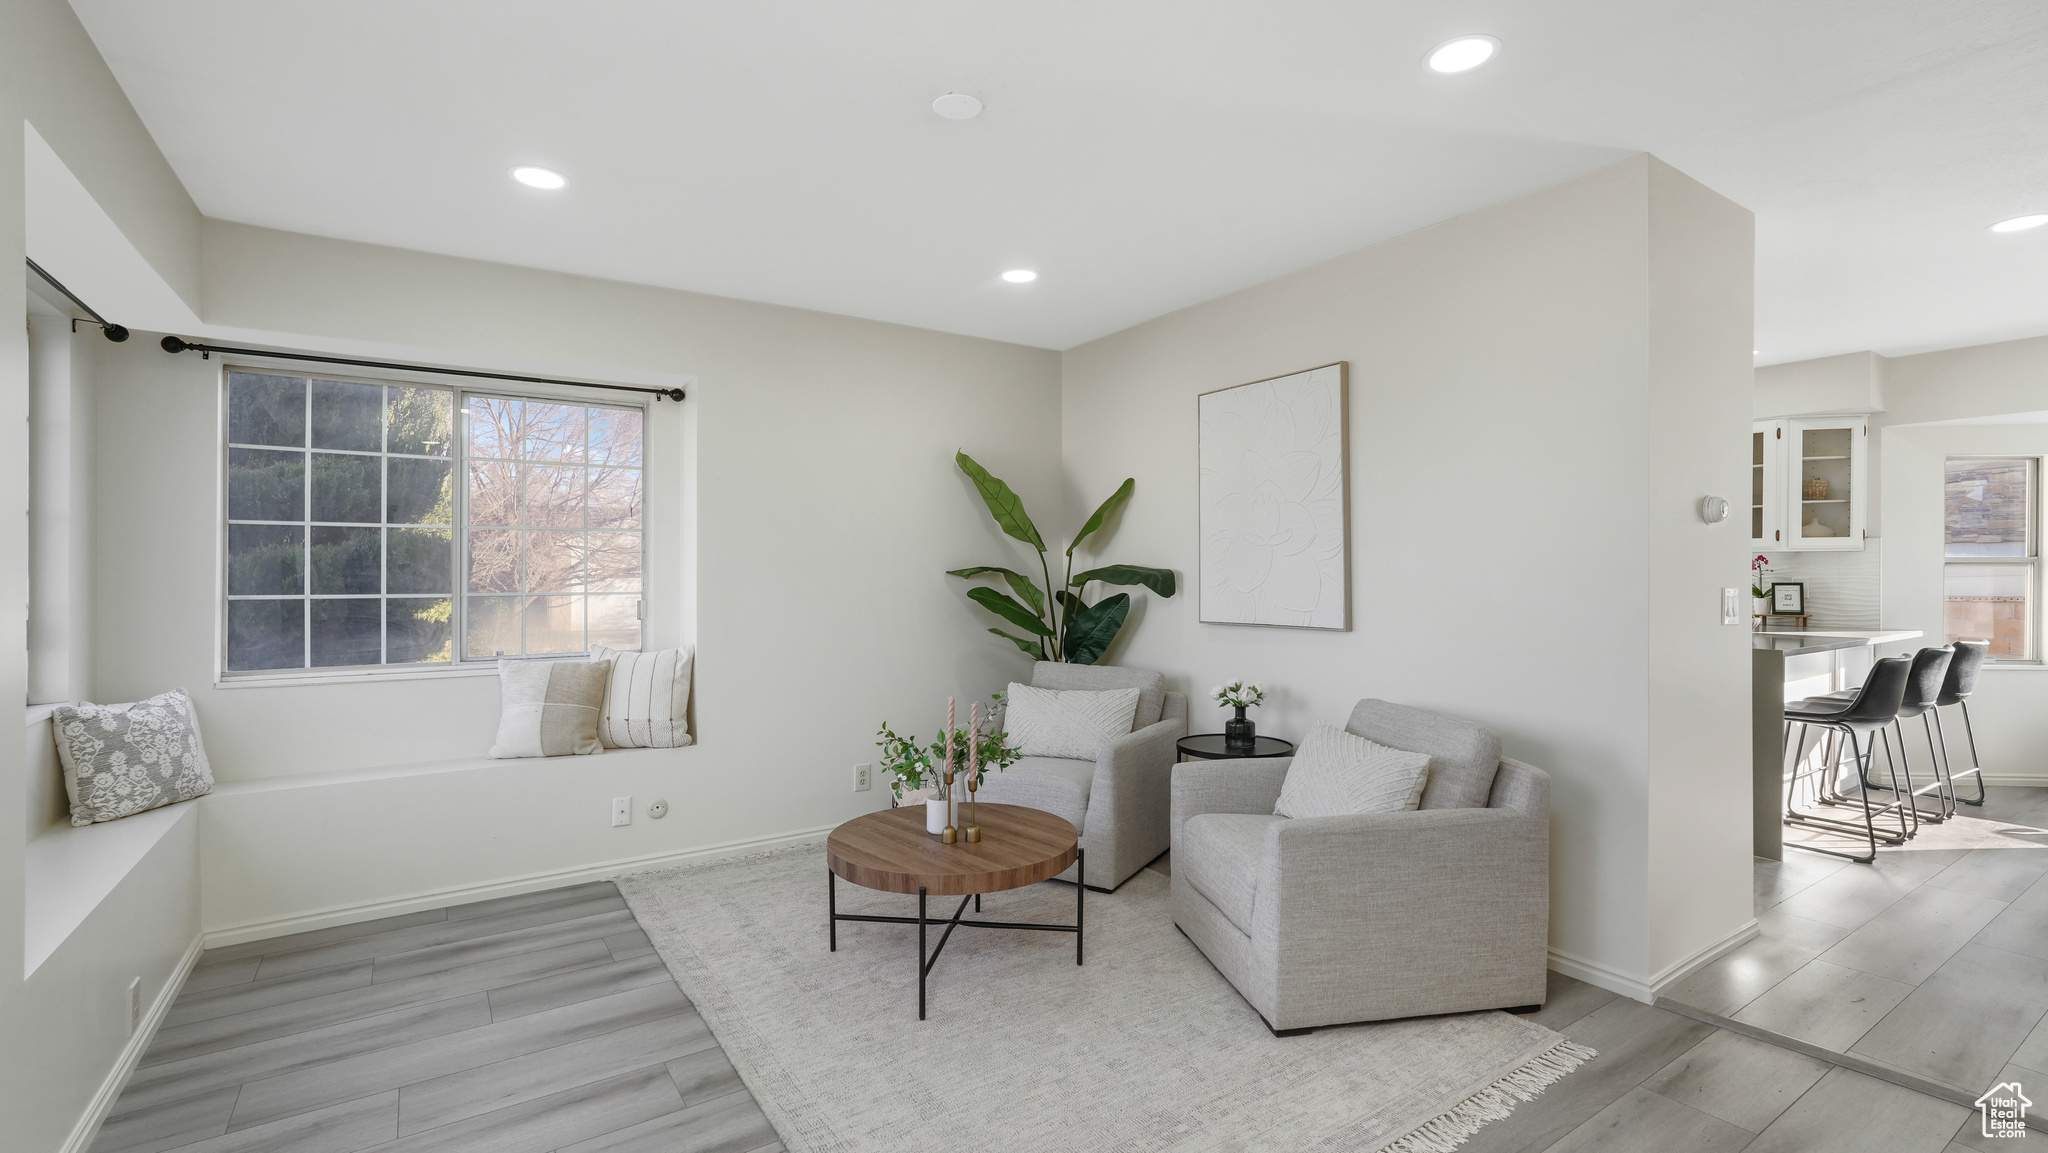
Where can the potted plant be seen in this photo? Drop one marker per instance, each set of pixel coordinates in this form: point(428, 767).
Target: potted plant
point(1239, 734)
point(917, 772)
point(1760, 604)
point(1060, 626)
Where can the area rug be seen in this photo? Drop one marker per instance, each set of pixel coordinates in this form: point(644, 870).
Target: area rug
point(1144, 1048)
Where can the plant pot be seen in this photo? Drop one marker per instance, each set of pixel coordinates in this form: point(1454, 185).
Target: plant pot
point(935, 815)
point(1239, 734)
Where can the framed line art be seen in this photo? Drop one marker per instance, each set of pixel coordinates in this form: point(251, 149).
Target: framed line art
point(1275, 501)
point(1788, 597)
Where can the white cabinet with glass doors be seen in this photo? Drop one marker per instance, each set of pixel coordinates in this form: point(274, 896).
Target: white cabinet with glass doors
point(1807, 482)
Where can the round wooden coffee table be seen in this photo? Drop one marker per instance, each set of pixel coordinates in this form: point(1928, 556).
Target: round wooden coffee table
point(890, 851)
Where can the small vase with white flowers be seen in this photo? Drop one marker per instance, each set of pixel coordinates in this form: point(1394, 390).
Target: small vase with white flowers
point(1239, 734)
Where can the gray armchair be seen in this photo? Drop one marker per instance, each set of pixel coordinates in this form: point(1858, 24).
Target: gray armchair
point(1118, 801)
point(1329, 920)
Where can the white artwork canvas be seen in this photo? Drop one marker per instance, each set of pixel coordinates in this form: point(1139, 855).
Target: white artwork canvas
point(1274, 502)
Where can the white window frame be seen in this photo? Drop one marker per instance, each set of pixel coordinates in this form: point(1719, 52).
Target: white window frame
point(458, 665)
point(2030, 563)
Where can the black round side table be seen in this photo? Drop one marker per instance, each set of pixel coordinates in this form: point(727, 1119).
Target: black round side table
point(1210, 747)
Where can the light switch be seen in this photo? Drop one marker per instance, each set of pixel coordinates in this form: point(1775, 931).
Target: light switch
point(1731, 607)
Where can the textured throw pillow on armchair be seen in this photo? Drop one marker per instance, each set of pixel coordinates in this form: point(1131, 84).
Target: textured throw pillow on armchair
point(1071, 724)
point(1337, 774)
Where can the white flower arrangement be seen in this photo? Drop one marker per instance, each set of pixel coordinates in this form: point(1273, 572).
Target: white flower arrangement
point(1239, 694)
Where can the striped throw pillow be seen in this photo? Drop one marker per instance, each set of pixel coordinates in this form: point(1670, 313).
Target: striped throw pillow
point(647, 702)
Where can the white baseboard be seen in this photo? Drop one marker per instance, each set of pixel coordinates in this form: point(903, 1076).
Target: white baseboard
point(1635, 987)
point(1685, 967)
point(2020, 780)
point(507, 887)
point(88, 1127)
point(1594, 973)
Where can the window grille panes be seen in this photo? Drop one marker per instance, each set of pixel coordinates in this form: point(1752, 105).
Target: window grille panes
point(341, 520)
point(1991, 583)
point(1988, 508)
point(552, 532)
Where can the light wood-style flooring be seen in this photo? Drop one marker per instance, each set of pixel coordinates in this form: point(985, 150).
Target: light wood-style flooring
point(1931, 962)
point(528, 1024)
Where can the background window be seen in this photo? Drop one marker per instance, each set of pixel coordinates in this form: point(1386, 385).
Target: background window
point(1992, 576)
point(552, 533)
point(344, 503)
point(340, 523)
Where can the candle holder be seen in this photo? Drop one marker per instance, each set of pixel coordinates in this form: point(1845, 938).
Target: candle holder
point(949, 834)
point(973, 833)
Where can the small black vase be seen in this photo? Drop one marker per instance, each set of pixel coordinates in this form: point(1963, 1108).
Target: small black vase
point(1240, 735)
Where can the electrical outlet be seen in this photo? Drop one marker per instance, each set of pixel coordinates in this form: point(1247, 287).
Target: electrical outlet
point(622, 811)
point(863, 778)
point(134, 1005)
point(1731, 607)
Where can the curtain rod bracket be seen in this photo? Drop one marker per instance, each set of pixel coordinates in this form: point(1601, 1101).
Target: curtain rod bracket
point(113, 332)
point(175, 345)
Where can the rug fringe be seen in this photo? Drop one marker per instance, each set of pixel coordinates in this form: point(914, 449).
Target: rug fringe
point(1445, 1132)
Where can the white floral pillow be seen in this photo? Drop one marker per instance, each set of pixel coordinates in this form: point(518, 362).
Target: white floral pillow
point(120, 760)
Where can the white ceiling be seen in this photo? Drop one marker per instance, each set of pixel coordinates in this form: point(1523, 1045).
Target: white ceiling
point(1142, 155)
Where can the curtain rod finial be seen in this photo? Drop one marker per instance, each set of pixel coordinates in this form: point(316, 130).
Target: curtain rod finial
point(173, 345)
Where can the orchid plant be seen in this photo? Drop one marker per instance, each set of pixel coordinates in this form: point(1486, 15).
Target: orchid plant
point(921, 768)
point(1239, 694)
point(1756, 578)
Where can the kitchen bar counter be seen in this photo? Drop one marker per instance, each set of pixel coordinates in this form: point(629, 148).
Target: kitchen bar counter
point(1802, 641)
point(1790, 666)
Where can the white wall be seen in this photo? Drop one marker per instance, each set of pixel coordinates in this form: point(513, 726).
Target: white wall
point(61, 1032)
point(1540, 392)
point(826, 512)
point(60, 507)
point(2010, 707)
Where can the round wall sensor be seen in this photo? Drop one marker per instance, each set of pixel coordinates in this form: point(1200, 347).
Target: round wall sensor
point(1713, 509)
point(657, 808)
point(957, 106)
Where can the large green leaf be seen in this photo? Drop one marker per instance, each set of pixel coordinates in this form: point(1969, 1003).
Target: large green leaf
point(1159, 580)
point(1094, 627)
point(1116, 501)
point(1009, 610)
point(1023, 585)
point(1033, 649)
point(1003, 504)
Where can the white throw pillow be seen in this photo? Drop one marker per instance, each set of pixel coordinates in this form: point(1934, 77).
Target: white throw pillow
point(549, 707)
point(647, 701)
point(120, 760)
point(1337, 774)
point(1074, 724)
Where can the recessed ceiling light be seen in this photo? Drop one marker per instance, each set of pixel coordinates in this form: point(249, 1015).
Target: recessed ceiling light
point(1020, 276)
point(1462, 54)
point(2021, 223)
point(533, 177)
point(957, 106)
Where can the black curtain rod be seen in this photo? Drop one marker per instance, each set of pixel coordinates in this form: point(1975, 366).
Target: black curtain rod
point(174, 345)
point(113, 332)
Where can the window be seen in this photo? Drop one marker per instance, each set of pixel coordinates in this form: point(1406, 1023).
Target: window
point(1991, 577)
point(377, 524)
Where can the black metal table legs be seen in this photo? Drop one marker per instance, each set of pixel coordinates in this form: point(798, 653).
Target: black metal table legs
point(928, 955)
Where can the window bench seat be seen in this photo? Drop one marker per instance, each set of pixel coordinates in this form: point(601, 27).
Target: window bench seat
point(68, 872)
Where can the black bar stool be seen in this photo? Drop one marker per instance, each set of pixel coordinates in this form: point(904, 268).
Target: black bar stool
point(1923, 688)
point(1873, 709)
point(1955, 690)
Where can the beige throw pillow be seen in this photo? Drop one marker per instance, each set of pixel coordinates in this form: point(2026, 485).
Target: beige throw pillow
point(1073, 724)
point(647, 701)
point(550, 708)
point(1337, 774)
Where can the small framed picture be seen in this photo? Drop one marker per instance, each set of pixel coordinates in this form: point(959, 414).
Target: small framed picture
point(1788, 597)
